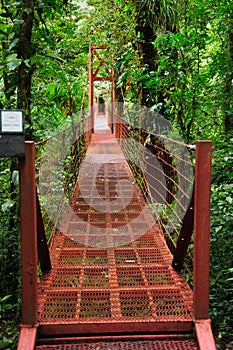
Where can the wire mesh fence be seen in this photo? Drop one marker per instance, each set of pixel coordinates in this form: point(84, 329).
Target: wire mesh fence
point(162, 165)
point(164, 170)
point(109, 248)
point(58, 159)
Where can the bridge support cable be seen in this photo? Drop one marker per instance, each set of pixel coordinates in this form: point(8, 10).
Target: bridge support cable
point(166, 181)
point(197, 220)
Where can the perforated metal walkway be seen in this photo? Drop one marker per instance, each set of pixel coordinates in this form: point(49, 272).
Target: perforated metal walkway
point(111, 268)
point(129, 345)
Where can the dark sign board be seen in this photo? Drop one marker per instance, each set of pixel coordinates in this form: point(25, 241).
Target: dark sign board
point(12, 138)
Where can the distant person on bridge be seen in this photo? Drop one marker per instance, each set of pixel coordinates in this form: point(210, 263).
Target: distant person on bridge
point(101, 104)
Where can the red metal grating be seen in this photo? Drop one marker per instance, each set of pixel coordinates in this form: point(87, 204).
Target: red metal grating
point(95, 305)
point(129, 345)
point(111, 265)
point(60, 306)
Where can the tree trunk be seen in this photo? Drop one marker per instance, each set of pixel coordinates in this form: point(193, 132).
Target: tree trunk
point(146, 18)
point(146, 52)
point(10, 80)
point(229, 88)
point(25, 71)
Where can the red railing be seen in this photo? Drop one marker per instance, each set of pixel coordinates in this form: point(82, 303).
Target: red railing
point(169, 180)
point(57, 161)
point(34, 224)
point(165, 174)
point(182, 208)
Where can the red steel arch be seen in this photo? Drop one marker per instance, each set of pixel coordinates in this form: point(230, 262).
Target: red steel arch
point(96, 52)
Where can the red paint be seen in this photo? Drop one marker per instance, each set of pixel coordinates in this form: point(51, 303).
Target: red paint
point(86, 294)
point(27, 338)
point(28, 224)
point(94, 54)
point(202, 229)
point(204, 335)
point(106, 327)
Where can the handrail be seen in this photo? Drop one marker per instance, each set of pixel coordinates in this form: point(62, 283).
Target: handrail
point(175, 214)
point(197, 216)
point(68, 153)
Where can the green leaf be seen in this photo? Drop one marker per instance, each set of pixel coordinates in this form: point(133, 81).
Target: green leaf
point(17, 21)
point(27, 63)
point(7, 205)
point(55, 56)
point(13, 62)
point(16, 3)
point(229, 199)
point(15, 177)
point(27, 11)
point(6, 297)
point(13, 43)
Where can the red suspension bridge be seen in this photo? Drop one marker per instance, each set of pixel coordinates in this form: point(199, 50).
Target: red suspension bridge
point(119, 265)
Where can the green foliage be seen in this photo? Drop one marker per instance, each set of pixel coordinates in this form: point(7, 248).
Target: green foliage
point(223, 162)
point(5, 305)
point(8, 331)
point(60, 81)
point(9, 229)
point(221, 291)
point(190, 83)
point(12, 61)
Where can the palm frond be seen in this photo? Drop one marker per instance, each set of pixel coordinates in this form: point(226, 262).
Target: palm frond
point(160, 13)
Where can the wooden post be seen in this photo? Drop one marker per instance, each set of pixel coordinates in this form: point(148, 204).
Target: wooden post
point(202, 229)
point(28, 224)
